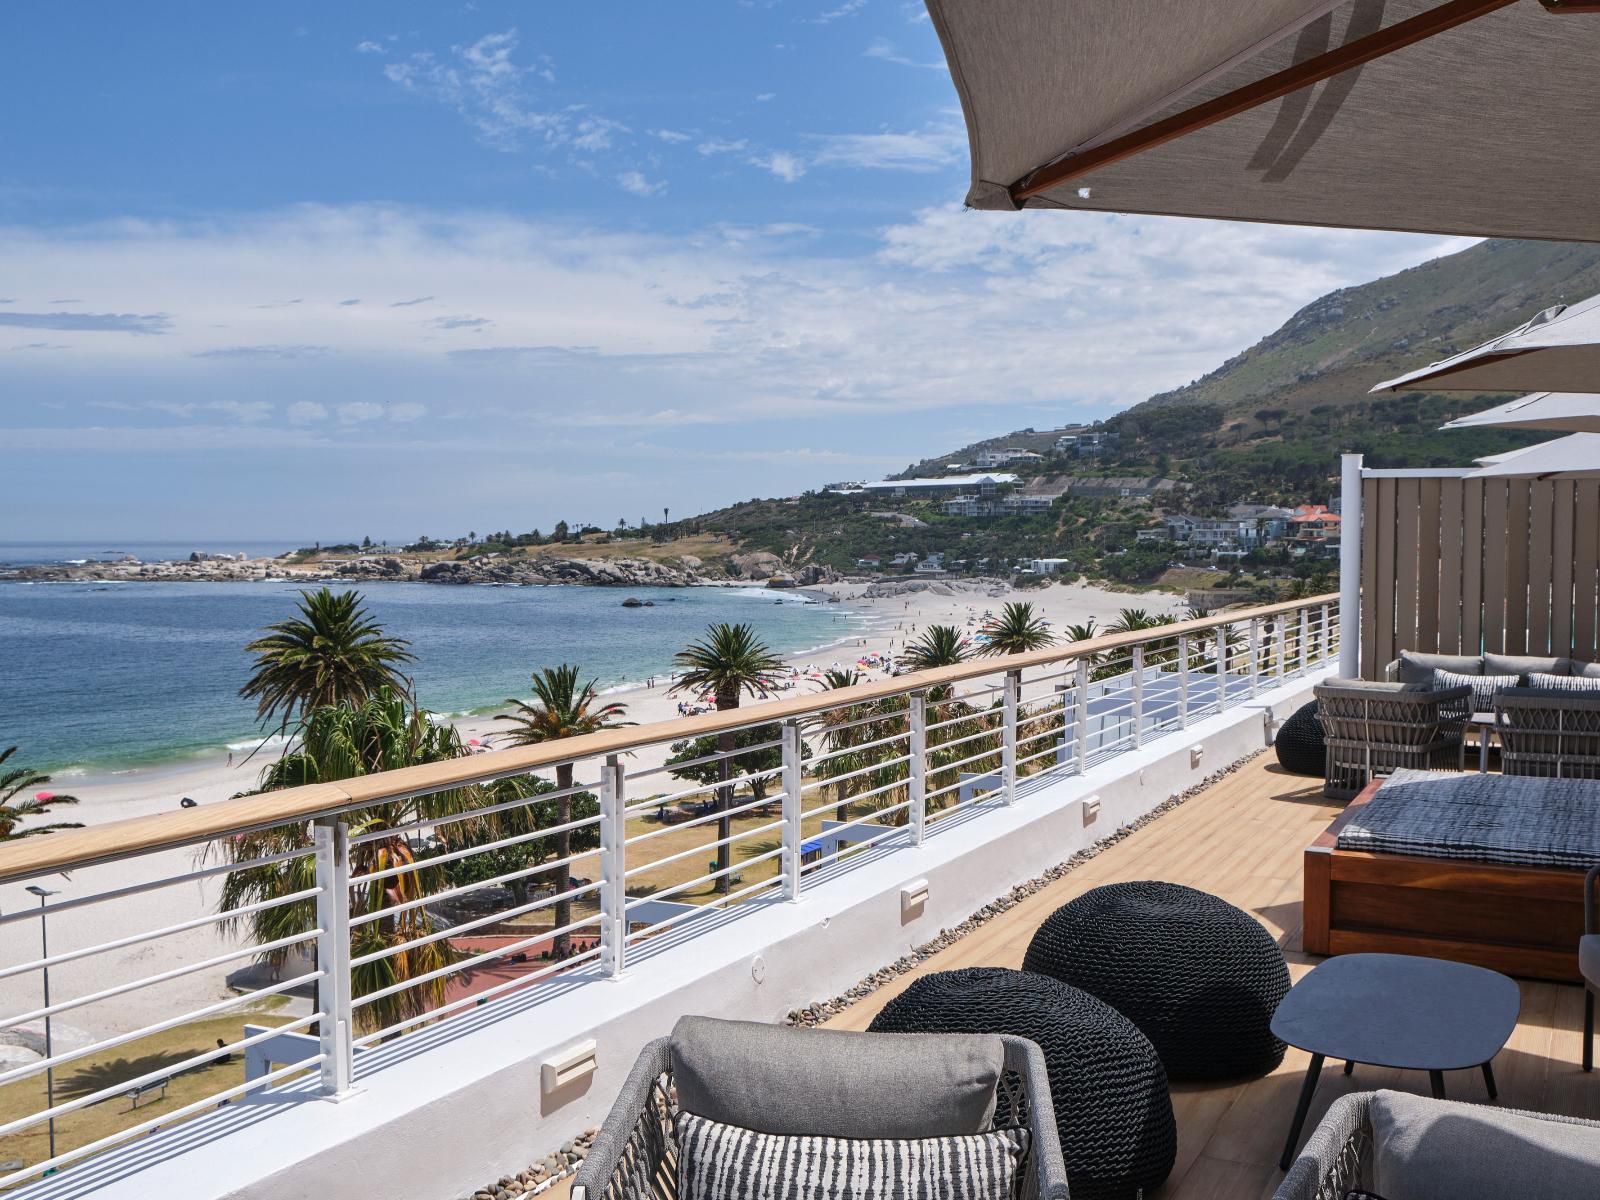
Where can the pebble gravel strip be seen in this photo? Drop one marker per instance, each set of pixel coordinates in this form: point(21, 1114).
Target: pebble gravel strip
point(564, 1162)
point(815, 1014)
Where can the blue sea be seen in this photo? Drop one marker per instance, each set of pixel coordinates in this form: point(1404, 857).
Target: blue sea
point(104, 676)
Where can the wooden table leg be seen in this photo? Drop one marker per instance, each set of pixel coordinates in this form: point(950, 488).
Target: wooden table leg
point(1307, 1089)
point(1436, 1078)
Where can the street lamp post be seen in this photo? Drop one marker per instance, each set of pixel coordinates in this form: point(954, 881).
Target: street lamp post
point(44, 952)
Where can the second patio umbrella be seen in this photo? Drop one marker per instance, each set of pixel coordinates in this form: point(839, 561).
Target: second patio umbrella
point(1557, 351)
point(1554, 412)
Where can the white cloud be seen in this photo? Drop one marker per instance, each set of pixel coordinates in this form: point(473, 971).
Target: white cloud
point(354, 412)
point(674, 136)
point(781, 163)
point(370, 47)
point(724, 325)
point(596, 133)
point(305, 412)
point(485, 84)
point(718, 146)
point(763, 97)
point(925, 150)
point(884, 49)
point(847, 9)
point(635, 183)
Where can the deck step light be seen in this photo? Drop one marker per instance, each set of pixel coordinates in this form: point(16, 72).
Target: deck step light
point(913, 896)
point(567, 1067)
point(1091, 808)
point(1196, 754)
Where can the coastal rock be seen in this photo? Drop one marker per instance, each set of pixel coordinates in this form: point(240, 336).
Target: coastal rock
point(759, 564)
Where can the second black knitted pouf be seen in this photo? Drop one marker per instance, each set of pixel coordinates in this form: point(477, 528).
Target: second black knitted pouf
point(1198, 976)
point(1109, 1091)
point(1301, 747)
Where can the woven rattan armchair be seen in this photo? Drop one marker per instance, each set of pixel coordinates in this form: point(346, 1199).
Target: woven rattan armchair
point(635, 1155)
point(1372, 729)
point(1548, 733)
point(1338, 1157)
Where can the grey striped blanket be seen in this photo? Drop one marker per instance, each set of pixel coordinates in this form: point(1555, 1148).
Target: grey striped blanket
point(1481, 818)
point(724, 1162)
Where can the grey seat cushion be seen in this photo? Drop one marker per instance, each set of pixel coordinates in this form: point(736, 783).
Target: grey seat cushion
point(828, 1083)
point(1587, 670)
point(1523, 665)
point(1589, 958)
point(1442, 1150)
point(1417, 668)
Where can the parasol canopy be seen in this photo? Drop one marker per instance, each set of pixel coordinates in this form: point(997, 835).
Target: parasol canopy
point(1576, 456)
point(1555, 412)
point(1468, 116)
point(1557, 351)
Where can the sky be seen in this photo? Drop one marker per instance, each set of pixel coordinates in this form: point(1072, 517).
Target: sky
point(301, 271)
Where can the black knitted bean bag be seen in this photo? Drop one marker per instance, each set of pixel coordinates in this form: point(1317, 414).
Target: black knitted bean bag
point(1301, 747)
point(1110, 1093)
point(1198, 976)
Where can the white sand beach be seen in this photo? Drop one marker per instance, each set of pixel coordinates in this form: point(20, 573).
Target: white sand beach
point(892, 620)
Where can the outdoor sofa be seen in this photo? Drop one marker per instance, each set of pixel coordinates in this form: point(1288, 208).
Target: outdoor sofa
point(849, 1092)
point(1406, 1147)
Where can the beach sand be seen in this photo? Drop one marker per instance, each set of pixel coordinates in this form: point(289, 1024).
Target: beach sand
point(884, 624)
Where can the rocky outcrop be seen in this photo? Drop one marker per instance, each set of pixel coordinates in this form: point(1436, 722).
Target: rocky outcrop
point(483, 569)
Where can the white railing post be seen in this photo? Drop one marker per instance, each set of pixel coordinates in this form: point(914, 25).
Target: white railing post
point(1008, 747)
point(1350, 563)
point(1222, 632)
point(1138, 695)
point(793, 782)
point(1323, 638)
point(1183, 681)
point(332, 861)
point(1280, 653)
point(1255, 656)
point(1305, 639)
point(1082, 733)
point(613, 870)
point(917, 788)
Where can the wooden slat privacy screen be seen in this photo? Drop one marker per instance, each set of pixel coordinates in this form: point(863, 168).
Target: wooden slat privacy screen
point(1469, 566)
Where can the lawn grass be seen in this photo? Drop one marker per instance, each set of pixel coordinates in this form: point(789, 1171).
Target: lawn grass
point(129, 1061)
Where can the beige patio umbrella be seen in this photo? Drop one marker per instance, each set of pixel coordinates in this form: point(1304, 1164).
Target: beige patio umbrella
point(1468, 116)
point(1576, 456)
point(1554, 412)
point(1557, 351)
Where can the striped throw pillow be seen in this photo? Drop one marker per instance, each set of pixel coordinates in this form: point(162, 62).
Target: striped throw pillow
point(724, 1162)
point(1483, 686)
point(1563, 683)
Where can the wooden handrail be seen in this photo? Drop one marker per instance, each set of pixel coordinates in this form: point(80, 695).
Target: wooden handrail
point(68, 849)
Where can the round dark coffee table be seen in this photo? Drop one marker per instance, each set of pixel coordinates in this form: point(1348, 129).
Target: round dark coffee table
point(1396, 1010)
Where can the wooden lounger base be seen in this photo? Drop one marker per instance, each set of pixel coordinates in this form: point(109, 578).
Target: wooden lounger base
point(1523, 921)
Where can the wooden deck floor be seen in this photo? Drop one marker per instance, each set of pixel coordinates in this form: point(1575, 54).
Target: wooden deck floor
point(1242, 840)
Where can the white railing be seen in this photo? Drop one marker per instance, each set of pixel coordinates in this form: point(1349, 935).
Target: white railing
point(393, 901)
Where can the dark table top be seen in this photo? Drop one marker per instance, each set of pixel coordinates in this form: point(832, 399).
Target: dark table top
point(1396, 1010)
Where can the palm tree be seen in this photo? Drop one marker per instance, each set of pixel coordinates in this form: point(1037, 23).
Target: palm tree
point(939, 646)
point(332, 653)
point(1016, 630)
point(13, 782)
point(561, 709)
point(728, 662)
point(336, 742)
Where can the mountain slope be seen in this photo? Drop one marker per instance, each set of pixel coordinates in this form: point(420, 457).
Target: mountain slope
point(1338, 346)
